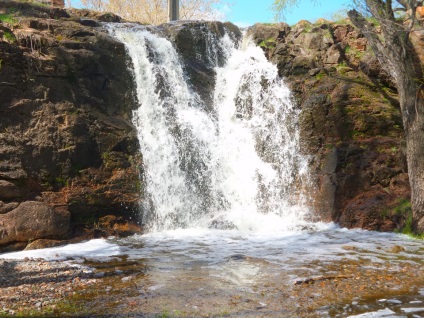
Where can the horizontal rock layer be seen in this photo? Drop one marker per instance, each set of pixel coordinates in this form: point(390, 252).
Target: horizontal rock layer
point(66, 136)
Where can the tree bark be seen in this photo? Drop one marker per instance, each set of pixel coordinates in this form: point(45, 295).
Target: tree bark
point(395, 52)
point(415, 158)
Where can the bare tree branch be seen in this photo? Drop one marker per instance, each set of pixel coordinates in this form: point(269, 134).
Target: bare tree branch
point(156, 11)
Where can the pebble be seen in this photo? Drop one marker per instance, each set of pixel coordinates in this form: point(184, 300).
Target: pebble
point(261, 306)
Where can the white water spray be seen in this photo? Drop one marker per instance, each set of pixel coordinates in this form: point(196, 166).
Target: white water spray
point(237, 166)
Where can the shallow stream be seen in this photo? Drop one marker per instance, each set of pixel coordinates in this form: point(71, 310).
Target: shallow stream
point(321, 272)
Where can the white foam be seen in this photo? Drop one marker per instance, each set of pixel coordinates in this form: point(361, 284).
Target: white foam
point(97, 248)
point(412, 310)
point(376, 314)
point(289, 250)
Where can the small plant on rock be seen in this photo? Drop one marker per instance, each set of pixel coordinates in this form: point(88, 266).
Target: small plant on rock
point(7, 18)
point(9, 36)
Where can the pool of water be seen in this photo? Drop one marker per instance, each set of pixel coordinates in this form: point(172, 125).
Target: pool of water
point(316, 271)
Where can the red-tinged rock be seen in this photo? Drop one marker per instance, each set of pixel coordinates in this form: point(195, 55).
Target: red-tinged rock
point(33, 220)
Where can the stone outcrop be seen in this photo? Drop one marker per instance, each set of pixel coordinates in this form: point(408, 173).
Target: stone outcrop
point(351, 126)
point(31, 220)
point(68, 149)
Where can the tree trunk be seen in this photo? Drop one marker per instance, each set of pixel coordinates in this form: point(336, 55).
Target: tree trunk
point(415, 157)
point(398, 56)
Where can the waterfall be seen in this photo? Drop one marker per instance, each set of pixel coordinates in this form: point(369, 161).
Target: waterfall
point(235, 166)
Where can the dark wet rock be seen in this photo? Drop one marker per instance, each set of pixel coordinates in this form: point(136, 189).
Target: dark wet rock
point(118, 226)
point(222, 224)
point(89, 23)
point(9, 191)
point(238, 257)
point(194, 40)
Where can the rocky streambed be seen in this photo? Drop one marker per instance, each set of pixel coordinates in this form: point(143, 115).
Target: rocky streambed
point(334, 273)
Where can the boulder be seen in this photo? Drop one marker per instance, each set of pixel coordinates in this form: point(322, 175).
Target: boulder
point(263, 32)
point(43, 243)
point(340, 32)
point(302, 64)
point(313, 41)
point(333, 56)
point(33, 220)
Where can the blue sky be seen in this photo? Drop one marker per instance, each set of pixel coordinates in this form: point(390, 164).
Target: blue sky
point(248, 12)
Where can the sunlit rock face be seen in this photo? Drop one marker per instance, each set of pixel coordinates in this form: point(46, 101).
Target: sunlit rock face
point(67, 142)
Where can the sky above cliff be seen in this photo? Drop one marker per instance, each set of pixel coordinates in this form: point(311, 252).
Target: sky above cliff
point(248, 12)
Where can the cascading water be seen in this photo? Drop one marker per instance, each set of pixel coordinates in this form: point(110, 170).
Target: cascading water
point(235, 166)
point(223, 171)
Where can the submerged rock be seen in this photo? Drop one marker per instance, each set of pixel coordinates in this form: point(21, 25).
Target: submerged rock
point(222, 224)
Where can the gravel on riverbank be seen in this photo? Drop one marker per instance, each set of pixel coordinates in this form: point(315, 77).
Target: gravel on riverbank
point(122, 288)
point(30, 285)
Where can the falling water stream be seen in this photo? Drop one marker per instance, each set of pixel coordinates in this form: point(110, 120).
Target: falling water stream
point(225, 209)
point(233, 165)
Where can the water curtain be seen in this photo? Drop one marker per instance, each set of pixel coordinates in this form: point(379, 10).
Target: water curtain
point(234, 164)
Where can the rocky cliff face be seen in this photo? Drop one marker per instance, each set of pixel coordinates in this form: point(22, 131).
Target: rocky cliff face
point(350, 123)
point(68, 150)
point(69, 159)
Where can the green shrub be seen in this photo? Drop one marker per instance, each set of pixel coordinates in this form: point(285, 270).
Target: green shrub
point(9, 36)
point(404, 209)
point(7, 18)
point(268, 43)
